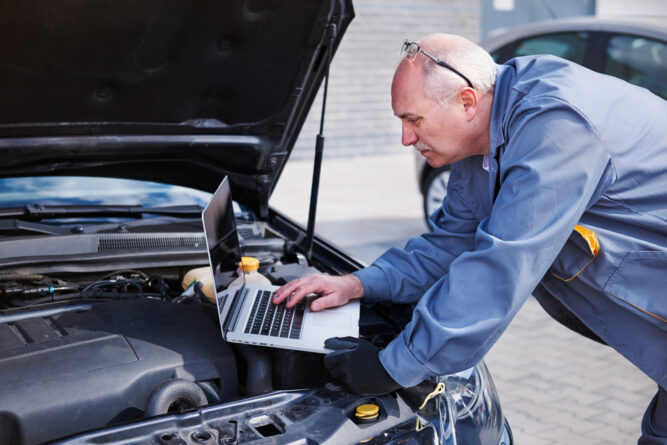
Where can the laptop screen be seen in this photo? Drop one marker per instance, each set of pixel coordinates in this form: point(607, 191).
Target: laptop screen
point(222, 243)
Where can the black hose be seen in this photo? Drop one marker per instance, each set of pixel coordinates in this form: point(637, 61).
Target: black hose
point(21, 302)
point(259, 374)
point(174, 395)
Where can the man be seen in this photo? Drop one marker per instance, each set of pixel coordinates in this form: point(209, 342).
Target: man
point(558, 188)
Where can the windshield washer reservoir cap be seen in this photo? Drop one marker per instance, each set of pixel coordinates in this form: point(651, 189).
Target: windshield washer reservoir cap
point(248, 263)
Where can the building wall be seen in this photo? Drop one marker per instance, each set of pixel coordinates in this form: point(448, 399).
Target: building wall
point(359, 119)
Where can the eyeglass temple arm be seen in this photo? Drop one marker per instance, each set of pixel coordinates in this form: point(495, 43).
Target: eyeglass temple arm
point(446, 65)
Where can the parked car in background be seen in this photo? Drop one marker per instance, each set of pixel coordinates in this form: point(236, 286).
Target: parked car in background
point(118, 121)
point(632, 49)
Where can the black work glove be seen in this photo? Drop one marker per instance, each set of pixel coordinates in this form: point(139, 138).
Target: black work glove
point(356, 364)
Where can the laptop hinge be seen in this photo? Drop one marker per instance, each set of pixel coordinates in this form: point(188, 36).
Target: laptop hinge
point(319, 148)
point(235, 310)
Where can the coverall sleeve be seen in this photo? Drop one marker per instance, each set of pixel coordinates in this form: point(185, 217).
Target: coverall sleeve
point(553, 167)
point(403, 275)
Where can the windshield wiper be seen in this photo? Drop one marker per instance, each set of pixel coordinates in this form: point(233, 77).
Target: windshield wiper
point(39, 211)
point(18, 226)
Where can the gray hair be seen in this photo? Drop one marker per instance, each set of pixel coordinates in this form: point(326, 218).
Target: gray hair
point(442, 85)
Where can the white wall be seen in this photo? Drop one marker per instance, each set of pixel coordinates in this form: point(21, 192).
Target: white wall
point(359, 118)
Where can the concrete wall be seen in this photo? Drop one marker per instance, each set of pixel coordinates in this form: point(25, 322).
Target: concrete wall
point(359, 119)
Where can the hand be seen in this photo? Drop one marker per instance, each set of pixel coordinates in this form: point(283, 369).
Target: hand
point(356, 364)
point(333, 291)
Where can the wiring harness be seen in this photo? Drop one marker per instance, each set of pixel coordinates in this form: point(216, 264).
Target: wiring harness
point(20, 289)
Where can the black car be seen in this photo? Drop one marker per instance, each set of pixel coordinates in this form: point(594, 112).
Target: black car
point(632, 49)
point(118, 121)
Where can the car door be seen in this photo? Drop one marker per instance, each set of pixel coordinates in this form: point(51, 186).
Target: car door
point(639, 60)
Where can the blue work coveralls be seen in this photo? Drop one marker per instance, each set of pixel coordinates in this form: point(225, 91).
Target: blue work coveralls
point(568, 147)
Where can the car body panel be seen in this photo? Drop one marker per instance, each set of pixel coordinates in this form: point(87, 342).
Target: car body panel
point(186, 92)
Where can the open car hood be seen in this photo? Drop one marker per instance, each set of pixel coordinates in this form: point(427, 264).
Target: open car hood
point(173, 91)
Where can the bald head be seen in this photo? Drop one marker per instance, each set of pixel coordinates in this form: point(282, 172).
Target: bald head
point(440, 83)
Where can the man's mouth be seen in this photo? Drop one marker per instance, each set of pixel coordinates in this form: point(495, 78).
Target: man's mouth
point(422, 148)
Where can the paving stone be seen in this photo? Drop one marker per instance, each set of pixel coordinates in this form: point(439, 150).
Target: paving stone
point(622, 408)
point(582, 396)
point(526, 424)
point(573, 422)
point(613, 435)
point(616, 420)
point(629, 396)
point(563, 436)
point(531, 438)
point(577, 409)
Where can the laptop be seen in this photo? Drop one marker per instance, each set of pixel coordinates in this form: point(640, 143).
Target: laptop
point(247, 314)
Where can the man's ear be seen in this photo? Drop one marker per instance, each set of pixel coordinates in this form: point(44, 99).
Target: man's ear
point(469, 98)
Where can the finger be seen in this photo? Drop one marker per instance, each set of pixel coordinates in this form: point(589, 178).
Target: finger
point(285, 291)
point(304, 288)
point(291, 294)
point(296, 296)
point(288, 290)
point(341, 343)
point(328, 301)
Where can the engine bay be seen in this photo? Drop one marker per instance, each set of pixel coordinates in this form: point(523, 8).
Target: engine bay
point(83, 348)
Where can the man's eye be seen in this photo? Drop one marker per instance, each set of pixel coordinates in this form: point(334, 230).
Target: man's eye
point(413, 120)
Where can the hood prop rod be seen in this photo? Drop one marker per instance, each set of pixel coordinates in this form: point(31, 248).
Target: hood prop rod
point(319, 148)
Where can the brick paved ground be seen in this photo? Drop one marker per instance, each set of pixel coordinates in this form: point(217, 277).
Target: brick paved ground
point(556, 387)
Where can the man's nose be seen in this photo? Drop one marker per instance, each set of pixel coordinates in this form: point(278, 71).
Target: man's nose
point(408, 137)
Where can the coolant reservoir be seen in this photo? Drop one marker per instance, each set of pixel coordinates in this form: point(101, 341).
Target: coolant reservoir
point(205, 277)
point(249, 266)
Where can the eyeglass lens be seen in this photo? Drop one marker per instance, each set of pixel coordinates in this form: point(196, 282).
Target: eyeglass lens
point(410, 50)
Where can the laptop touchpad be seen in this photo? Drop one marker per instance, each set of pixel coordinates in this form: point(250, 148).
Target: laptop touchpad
point(340, 317)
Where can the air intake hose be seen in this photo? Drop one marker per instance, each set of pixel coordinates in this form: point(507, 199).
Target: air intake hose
point(258, 361)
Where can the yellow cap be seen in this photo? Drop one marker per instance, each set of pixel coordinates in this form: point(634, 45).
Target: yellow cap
point(248, 263)
point(367, 411)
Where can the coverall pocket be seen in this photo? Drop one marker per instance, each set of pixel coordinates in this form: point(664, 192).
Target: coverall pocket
point(641, 281)
point(578, 252)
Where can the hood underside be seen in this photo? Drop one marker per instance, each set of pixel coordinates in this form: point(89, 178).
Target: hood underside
point(181, 92)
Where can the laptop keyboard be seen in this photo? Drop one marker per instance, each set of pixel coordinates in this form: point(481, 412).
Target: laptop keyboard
point(274, 320)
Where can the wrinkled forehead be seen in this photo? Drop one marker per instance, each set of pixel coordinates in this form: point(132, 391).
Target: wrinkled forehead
point(408, 76)
point(407, 86)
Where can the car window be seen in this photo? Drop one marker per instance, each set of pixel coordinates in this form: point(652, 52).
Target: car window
point(638, 60)
point(568, 45)
point(496, 55)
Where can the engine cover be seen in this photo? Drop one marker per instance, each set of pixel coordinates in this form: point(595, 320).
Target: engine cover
point(72, 368)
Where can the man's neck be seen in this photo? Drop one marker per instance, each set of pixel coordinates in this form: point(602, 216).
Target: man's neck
point(483, 119)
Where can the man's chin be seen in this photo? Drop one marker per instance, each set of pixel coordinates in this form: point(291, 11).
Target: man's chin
point(434, 162)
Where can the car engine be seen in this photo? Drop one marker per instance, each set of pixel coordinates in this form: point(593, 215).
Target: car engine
point(85, 351)
point(79, 366)
point(83, 347)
